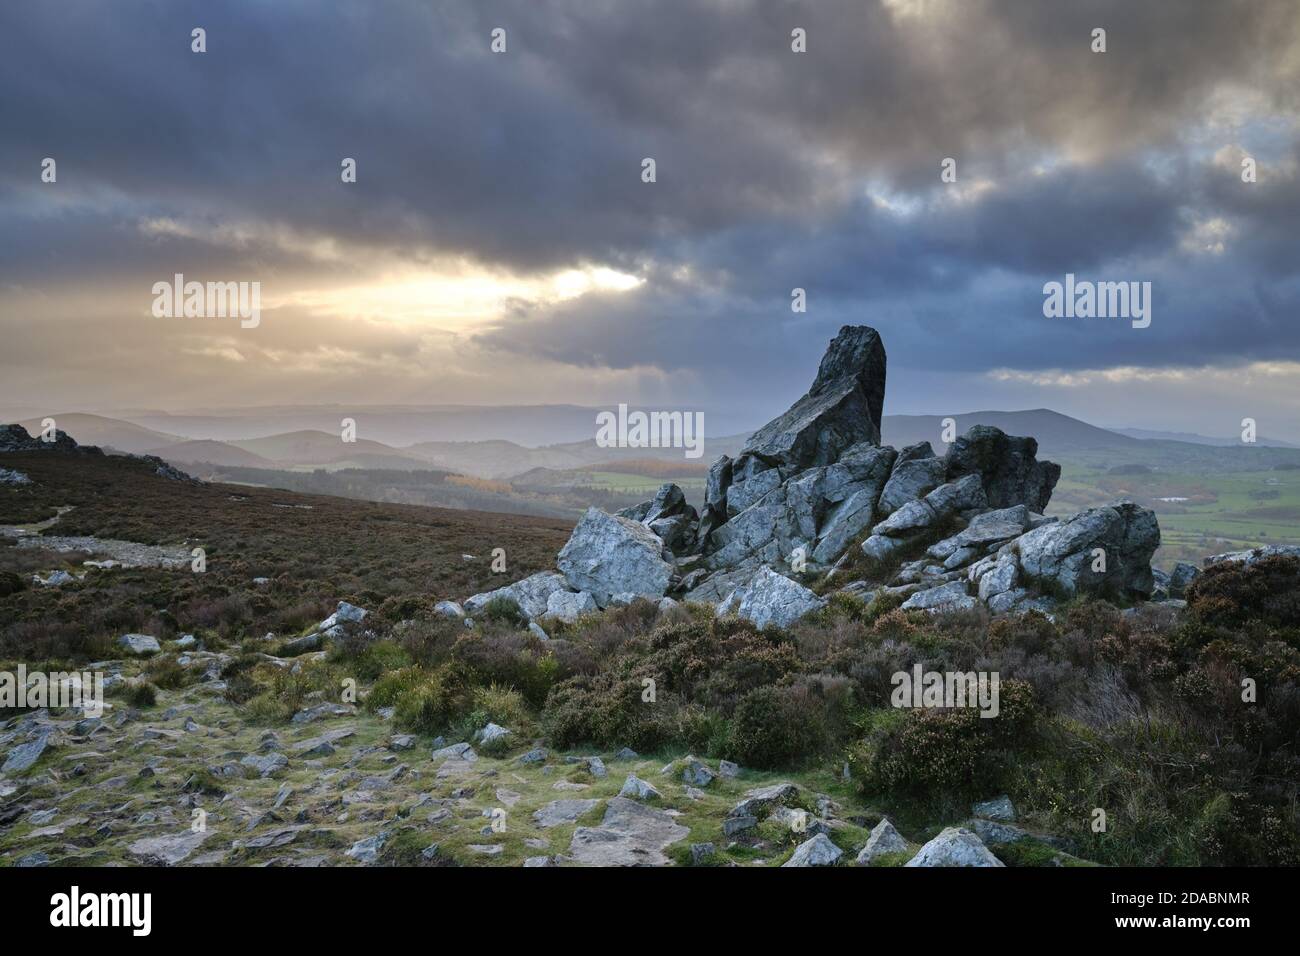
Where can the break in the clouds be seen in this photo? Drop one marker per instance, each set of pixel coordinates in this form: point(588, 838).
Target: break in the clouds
point(499, 244)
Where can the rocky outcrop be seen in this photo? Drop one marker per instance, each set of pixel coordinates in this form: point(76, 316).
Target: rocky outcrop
point(814, 487)
point(1010, 473)
point(1099, 551)
point(17, 438)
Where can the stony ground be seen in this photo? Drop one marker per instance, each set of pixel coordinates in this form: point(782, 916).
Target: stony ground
point(338, 786)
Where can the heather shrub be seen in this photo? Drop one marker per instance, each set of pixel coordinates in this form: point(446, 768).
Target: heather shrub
point(775, 727)
point(953, 750)
point(504, 610)
point(607, 709)
point(139, 693)
point(1234, 594)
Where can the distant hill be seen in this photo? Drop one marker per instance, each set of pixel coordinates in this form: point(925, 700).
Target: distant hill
point(108, 433)
point(322, 449)
point(211, 452)
point(500, 459)
point(1195, 439)
point(493, 458)
point(1056, 433)
point(531, 426)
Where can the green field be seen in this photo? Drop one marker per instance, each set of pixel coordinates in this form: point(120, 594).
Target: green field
point(645, 485)
point(1224, 512)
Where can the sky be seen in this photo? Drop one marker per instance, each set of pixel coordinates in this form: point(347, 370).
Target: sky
point(499, 244)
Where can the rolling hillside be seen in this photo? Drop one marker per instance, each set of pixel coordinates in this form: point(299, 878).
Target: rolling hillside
point(108, 433)
point(320, 449)
point(1056, 433)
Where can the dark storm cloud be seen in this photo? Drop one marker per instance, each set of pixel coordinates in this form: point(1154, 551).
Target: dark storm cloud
point(775, 170)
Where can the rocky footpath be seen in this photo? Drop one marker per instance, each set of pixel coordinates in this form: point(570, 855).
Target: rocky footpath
point(814, 499)
point(191, 781)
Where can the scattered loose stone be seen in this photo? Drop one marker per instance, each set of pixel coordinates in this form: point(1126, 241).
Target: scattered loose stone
point(24, 756)
point(818, 851)
point(167, 850)
point(702, 853)
point(638, 789)
point(367, 850)
point(698, 775)
point(884, 839)
point(955, 846)
point(999, 808)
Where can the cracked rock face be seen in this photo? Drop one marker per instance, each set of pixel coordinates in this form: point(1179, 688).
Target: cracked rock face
point(1007, 466)
point(1098, 551)
point(608, 555)
point(771, 598)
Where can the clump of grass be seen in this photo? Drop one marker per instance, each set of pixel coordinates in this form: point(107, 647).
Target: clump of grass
point(164, 672)
point(140, 694)
point(504, 610)
point(425, 700)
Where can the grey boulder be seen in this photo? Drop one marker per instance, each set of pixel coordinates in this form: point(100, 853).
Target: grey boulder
point(609, 555)
point(531, 594)
point(955, 846)
point(567, 605)
point(139, 644)
point(884, 839)
point(1103, 550)
point(818, 851)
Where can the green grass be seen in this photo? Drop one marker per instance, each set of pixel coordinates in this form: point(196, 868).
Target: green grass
point(1227, 511)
